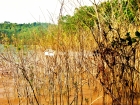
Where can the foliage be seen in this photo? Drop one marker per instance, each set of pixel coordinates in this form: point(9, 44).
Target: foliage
point(118, 42)
point(114, 25)
point(83, 17)
point(109, 30)
point(22, 31)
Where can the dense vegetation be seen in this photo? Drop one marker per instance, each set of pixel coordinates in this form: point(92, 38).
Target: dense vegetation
point(22, 31)
point(110, 30)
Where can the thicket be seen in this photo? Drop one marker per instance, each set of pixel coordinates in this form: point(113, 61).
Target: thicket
point(110, 31)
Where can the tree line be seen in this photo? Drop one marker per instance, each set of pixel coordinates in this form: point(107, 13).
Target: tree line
point(9, 29)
